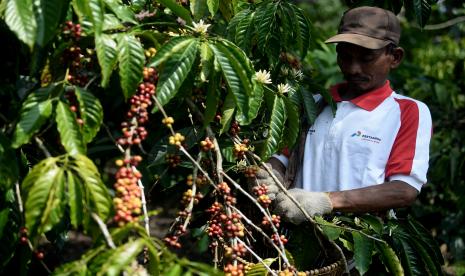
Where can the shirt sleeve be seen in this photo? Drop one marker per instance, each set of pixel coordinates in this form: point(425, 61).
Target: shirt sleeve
point(408, 161)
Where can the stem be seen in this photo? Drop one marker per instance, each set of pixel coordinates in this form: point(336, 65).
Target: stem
point(259, 230)
point(237, 186)
point(144, 203)
point(104, 230)
point(18, 195)
point(194, 190)
point(42, 147)
point(257, 257)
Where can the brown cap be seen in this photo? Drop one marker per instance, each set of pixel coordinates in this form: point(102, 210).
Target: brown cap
point(369, 27)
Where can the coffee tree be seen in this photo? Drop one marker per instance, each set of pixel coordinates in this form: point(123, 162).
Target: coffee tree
point(109, 98)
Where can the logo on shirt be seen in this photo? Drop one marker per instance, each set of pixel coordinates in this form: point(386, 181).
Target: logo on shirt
point(365, 137)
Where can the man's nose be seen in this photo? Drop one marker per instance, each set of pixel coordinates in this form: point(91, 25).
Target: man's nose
point(353, 67)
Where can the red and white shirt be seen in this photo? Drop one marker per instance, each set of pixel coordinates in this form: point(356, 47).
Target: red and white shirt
point(379, 136)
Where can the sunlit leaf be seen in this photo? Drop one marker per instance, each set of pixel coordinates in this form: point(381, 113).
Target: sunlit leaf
point(48, 13)
point(131, 62)
point(175, 71)
point(19, 17)
point(91, 112)
point(107, 56)
point(70, 134)
point(43, 188)
point(34, 112)
point(363, 247)
point(275, 128)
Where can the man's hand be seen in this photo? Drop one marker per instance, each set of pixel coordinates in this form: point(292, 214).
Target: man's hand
point(263, 177)
point(315, 203)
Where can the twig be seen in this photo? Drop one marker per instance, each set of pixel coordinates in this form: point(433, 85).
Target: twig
point(446, 24)
point(120, 148)
point(257, 257)
point(258, 230)
point(307, 216)
point(104, 230)
point(42, 147)
point(144, 203)
point(18, 195)
point(238, 187)
point(194, 190)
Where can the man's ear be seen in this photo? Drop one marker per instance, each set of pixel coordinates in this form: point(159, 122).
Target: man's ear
point(398, 55)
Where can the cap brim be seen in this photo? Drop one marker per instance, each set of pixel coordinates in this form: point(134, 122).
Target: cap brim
point(360, 40)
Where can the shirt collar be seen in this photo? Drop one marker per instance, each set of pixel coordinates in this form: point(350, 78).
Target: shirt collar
point(367, 101)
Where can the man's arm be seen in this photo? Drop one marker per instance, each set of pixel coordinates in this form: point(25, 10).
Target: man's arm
point(394, 194)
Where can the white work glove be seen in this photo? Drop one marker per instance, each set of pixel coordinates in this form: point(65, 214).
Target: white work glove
point(315, 203)
point(263, 177)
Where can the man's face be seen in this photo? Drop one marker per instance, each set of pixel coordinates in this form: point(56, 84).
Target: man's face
point(363, 69)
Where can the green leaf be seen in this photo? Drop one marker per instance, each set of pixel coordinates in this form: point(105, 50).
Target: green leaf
point(95, 11)
point(122, 11)
point(175, 71)
point(425, 237)
point(363, 248)
point(301, 27)
point(275, 128)
point(389, 259)
point(175, 270)
point(206, 62)
point(292, 123)
point(19, 17)
point(236, 70)
point(328, 228)
point(373, 222)
point(44, 191)
point(213, 6)
point(265, 23)
point(9, 171)
point(48, 13)
point(131, 62)
point(75, 199)
point(34, 112)
point(91, 112)
point(310, 107)
point(411, 261)
point(198, 8)
point(259, 269)
point(4, 213)
point(106, 54)
point(70, 134)
point(177, 9)
point(173, 46)
point(227, 112)
point(232, 26)
point(121, 258)
point(422, 9)
point(96, 195)
point(211, 103)
point(244, 32)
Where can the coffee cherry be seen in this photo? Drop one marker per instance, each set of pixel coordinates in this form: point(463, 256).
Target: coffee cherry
point(250, 172)
point(239, 150)
point(207, 145)
point(39, 255)
point(23, 240)
point(235, 128)
point(168, 121)
point(223, 188)
point(176, 139)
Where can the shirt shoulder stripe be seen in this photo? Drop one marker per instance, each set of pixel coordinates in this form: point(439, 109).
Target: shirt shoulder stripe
point(403, 150)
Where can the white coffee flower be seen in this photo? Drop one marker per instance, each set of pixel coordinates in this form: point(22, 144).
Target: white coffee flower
point(263, 76)
point(283, 88)
point(201, 27)
point(297, 74)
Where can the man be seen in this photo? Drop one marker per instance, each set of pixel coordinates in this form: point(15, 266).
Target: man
point(373, 154)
